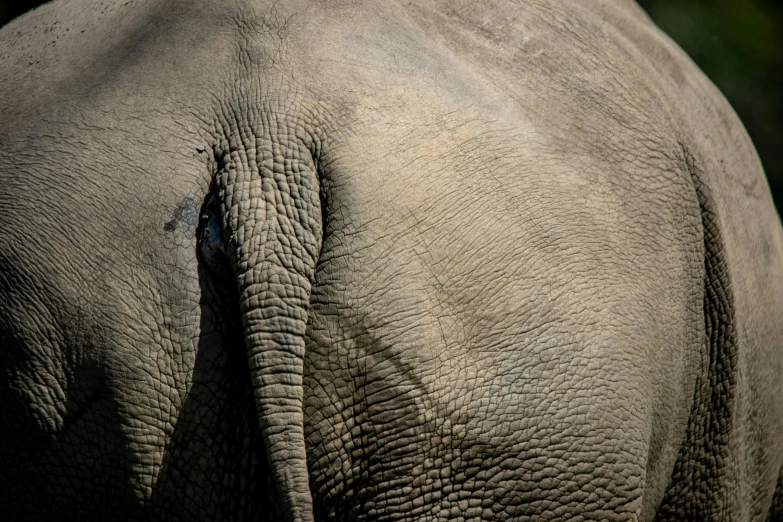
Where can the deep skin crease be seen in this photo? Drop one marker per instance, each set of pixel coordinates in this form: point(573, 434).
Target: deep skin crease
point(427, 260)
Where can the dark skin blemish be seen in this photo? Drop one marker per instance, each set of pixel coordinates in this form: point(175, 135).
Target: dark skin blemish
point(186, 215)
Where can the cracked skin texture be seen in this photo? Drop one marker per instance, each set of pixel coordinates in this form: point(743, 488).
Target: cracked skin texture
point(417, 260)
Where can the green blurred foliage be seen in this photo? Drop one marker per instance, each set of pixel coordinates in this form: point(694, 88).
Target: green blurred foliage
point(10, 9)
point(737, 43)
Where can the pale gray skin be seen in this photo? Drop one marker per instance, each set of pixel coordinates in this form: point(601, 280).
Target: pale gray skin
point(422, 260)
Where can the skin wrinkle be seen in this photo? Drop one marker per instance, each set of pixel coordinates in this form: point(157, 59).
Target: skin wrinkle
point(471, 230)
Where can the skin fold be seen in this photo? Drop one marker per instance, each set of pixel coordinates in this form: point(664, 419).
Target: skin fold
point(328, 260)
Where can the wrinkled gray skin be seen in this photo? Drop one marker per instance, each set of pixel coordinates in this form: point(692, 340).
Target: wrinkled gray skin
point(379, 261)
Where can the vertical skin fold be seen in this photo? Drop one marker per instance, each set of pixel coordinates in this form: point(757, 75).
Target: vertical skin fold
point(700, 487)
point(271, 220)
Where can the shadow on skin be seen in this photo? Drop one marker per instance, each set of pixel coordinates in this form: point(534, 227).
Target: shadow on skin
point(214, 462)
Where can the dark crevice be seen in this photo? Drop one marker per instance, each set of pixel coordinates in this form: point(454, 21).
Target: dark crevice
point(215, 441)
point(211, 237)
point(324, 196)
point(776, 511)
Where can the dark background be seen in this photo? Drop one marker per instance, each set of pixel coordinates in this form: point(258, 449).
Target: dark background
point(737, 43)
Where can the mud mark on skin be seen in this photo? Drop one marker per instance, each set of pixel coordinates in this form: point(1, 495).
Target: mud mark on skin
point(185, 215)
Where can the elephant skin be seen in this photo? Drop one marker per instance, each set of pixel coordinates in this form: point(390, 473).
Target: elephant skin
point(423, 260)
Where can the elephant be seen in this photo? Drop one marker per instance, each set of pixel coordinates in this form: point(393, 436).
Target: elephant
point(352, 260)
